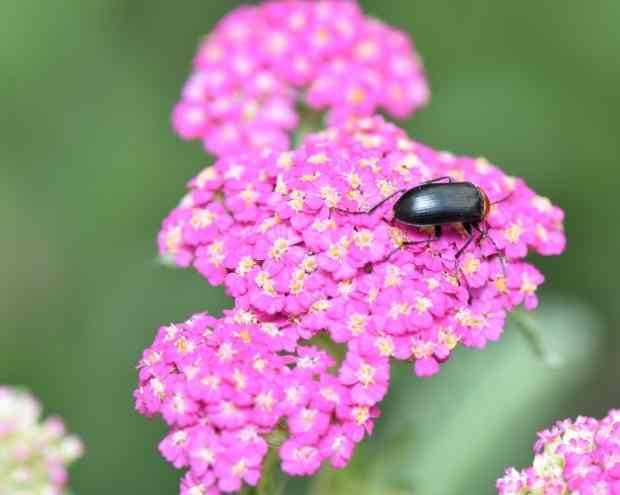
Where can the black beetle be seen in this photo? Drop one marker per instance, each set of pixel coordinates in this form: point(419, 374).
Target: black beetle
point(433, 204)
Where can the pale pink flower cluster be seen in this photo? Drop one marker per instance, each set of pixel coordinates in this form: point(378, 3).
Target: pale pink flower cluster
point(280, 231)
point(229, 387)
point(261, 61)
point(34, 455)
point(573, 457)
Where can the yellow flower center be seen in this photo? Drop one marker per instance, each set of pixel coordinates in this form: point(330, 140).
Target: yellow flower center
point(179, 404)
point(245, 336)
point(320, 305)
point(346, 287)
point(246, 317)
point(240, 468)
point(513, 233)
point(527, 286)
point(366, 49)
point(216, 253)
point(234, 172)
point(211, 381)
point(308, 416)
point(173, 240)
point(470, 265)
point(206, 455)
point(361, 414)
point(465, 317)
point(285, 160)
point(541, 232)
point(184, 346)
point(422, 304)
point(265, 400)
point(245, 265)
point(363, 238)
point(355, 96)
point(357, 323)
point(226, 352)
point(328, 394)
point(338, 251)
point(207, 175)
point(501, 285)
point(264, 281)
point(279, 248)
point(297, 200)
point(385, 346)
point(398, 309)
point(353, 179)
point(318, 159)
point(330, 196)
point(366, 374)
point(298, 280)
point(304, 453)
point(309, 264)
point(269, 223)
point(249, 195)
point(541, 203)
point(421, 349)
point(448, 338)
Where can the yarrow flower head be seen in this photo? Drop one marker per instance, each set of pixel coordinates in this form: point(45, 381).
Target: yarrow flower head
point(229, 387)
point(289, 235)
point(34, 455)
point(261, 61)
point(573, 457)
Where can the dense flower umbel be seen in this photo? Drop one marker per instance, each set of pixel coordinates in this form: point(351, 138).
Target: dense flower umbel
point(573, 457)
point(278, 231)
point(224, 385)
point(33, 455)
point(261, 61)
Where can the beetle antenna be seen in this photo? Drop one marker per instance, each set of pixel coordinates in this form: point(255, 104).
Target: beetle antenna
point(373, 208)
point(503, 199)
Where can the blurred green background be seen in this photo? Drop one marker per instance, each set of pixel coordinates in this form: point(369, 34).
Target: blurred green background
point(89, 167)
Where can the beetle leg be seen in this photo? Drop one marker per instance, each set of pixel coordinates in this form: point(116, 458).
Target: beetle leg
point(413, 243)
point(484, 234)
point(467, 227)
point(457, 269)
point(462, 249)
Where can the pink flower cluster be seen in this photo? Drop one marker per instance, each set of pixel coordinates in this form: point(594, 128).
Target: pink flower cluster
point(34, 455)
point(261, 61)
point(573, 457)
point(283, 232)
point(229, 387)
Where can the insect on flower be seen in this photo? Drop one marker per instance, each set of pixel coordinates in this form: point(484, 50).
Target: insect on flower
point(434, 204)
point(310, 242)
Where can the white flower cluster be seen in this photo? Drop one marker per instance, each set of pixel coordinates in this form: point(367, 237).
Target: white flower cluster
point(34, 455)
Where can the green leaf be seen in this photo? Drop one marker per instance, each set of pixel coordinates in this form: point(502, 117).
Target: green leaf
point(457, 431)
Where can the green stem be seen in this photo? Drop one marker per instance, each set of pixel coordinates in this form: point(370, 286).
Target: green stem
point(273, 480)
point(310, 120)
point(324, 341)
point(532, 332)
